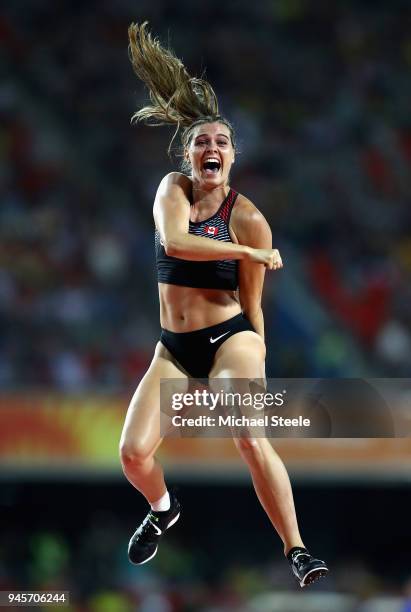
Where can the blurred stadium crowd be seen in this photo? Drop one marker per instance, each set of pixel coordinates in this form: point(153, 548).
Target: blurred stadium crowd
point(320, 95)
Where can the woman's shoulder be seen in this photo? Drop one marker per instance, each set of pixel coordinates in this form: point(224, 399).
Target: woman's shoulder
point(175, 184)
point(176, 178)
point(249, 224)
point(246, 210)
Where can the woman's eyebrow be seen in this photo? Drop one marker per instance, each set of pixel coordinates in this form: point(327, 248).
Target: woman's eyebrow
point(203, 135)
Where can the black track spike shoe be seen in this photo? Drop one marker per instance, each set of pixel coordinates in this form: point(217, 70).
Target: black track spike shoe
point(305, 568)
point(144, 542)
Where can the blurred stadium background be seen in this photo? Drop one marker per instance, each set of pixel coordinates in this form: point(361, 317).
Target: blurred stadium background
point(320, 93)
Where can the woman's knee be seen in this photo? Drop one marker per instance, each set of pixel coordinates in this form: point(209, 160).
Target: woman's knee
point(248, 448)
point(134, 453)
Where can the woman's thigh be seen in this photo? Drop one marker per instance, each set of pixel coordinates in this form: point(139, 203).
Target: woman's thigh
point(241, 356)
point(141, 432)
point(240, 360)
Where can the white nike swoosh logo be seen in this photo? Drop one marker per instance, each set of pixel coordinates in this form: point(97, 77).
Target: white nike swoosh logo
point(158, 530)
point(212, 340)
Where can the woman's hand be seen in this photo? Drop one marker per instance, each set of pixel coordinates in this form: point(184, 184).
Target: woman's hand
point(270, 258)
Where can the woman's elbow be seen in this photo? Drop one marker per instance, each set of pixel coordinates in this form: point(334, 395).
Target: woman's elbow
point(171, 247)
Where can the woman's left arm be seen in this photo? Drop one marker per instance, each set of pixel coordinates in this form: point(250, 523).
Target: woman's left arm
point(250, 228)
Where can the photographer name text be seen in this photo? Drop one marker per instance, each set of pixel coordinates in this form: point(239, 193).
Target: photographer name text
point(240, 421)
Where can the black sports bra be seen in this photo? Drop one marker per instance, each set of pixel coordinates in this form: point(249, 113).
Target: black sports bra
point(217, 274)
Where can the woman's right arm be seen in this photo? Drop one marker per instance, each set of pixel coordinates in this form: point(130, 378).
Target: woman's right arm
point(172, 214)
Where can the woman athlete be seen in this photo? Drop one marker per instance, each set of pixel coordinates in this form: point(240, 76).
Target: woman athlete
point(212, 247)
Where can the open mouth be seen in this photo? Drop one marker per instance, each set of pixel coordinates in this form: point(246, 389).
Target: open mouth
point(211, 166)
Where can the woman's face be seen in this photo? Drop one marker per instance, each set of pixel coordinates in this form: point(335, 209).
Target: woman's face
point(210, 154)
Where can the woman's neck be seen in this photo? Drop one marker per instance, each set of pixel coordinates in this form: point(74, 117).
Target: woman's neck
point(207, 198)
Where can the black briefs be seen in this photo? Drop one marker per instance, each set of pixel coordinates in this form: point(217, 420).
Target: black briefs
point(195, 350)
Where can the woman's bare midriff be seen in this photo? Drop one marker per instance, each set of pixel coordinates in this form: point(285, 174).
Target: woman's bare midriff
point(185, 309)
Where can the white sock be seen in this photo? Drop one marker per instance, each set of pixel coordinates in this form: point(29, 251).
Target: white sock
point(163, 504)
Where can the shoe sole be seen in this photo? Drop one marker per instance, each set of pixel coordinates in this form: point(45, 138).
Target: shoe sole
point(171, 523)
point(313, 575)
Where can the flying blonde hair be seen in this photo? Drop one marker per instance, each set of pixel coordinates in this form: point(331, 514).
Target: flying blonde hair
point(176, 98)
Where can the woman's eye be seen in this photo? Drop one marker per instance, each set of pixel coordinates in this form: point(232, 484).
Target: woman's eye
point(221, 143)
